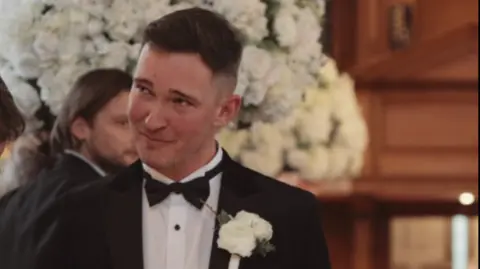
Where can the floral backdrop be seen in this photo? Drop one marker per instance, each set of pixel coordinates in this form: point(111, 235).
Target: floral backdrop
point(299, 113)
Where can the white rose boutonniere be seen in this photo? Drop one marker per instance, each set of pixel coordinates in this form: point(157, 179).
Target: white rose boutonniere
point(244, 235)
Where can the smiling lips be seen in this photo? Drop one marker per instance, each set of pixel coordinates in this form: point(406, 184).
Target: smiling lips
point(157, 140)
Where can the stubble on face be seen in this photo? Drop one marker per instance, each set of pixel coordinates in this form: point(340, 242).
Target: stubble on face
point(110, 144)
point(172, 110)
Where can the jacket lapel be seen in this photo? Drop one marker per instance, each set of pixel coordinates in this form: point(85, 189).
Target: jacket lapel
point(235, 190)
point(124, 219)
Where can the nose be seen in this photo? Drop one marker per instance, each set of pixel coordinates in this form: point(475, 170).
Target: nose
point(155, 120)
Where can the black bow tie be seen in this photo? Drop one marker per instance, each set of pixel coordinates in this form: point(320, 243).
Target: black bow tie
point(195, 191)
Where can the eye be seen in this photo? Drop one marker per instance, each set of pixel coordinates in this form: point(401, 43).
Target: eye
point(122, 122)
point(181, 101)
point(143, 89)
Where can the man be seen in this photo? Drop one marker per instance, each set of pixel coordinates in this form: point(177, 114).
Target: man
point(92, 127)
point(11, 121)
point(90, 139)
point(149, 215)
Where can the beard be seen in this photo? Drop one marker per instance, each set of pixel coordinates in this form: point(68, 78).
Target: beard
point(108, 165)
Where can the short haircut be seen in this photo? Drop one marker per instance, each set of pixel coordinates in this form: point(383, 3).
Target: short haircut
point(12, 123)
point(197, 30)
point(89, 95)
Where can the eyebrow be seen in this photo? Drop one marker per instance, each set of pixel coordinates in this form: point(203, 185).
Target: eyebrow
point(184, 95)
point(143, 81)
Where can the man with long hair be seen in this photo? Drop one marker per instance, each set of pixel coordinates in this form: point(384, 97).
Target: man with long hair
point(162, 211)
point(90, 139)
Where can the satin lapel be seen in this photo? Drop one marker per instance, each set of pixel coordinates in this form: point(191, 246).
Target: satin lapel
point(124, 219)
point(232, 199)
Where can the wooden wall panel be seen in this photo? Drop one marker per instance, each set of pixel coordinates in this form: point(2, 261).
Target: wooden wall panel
point(421, 106)
point(435, 17)
point(431, 125)
point(366, 99)
point(338, 228)
point(463, 69)
point(443, 31)
point(428, 133)
point(432, 165)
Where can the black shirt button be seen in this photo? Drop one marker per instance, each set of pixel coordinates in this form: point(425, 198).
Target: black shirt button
point(177, 227)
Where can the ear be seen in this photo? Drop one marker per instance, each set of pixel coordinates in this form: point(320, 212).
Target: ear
point(80, 129)
point(228, 110)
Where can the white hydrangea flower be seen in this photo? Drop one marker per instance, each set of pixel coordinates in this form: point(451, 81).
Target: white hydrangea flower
point(344, 98)
point(24, 95)
point(247, 15)
point(318, 164)
point(265, 154)
point(285, 27)
point(314, 126)
point(263, 161)
point(297, 158)
point(233, 141)
point(353, 134)
point(339, 162)
point(329, 72)
point(255, 66)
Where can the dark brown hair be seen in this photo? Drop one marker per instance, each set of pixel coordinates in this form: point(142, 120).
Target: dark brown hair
point(200, 31)
point(12, 123)
point(90, 93)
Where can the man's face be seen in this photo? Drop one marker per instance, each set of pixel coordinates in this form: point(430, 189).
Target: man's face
point(109, 142)
point(176, 106)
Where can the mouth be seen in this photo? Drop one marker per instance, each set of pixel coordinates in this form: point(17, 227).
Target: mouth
point(157, 140)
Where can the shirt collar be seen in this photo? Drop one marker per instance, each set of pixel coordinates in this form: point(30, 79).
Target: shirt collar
point(83, 158)
point(197, 173)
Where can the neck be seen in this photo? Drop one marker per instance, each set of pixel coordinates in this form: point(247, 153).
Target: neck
point(85, 153)
point(195, 161)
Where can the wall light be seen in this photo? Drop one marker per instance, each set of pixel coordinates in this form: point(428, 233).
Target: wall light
point(466, 198)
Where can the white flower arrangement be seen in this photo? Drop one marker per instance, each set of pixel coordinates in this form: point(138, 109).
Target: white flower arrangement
point(323, 139)
point(298, 117)
point(50, 43)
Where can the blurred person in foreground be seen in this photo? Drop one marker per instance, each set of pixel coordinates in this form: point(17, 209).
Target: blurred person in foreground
point(161, 212)
point(90, 139)
point(12, 123)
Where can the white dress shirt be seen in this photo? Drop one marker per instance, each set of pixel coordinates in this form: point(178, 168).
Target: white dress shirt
point(81, 157)
point(177, 235)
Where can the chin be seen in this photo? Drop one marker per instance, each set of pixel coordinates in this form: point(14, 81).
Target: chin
point(154, 158)
point(130, 160)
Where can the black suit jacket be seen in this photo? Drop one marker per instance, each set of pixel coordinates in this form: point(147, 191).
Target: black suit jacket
point(28, 213)
point(100, 226)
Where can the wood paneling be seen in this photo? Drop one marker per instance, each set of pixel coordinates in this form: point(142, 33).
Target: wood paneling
point(418, 164)
point(425, 133)
point(443, 31)
point(421, 107)
point(413, 62)
point(430, 125)
point(436, 17)
point(461, 69)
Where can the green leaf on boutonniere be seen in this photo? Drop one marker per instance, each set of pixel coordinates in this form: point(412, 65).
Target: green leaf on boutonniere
point(264, 247)
point(223, 217)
